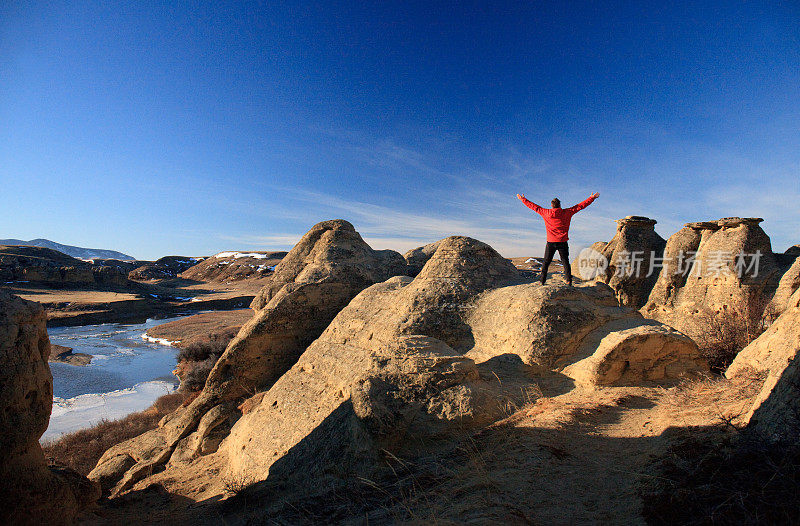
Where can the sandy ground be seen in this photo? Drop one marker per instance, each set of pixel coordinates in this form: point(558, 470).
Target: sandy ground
point(582, 457)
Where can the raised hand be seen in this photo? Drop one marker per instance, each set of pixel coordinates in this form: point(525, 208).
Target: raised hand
point(520, 196)
point(595, 195)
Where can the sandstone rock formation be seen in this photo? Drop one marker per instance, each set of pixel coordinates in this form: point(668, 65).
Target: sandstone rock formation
point(582, 332)
point(775, 415)
point(406, 360)
point(628, 255)
point(701, 277)
point(30, 491)
point(317, 278)
point(640, 354)
point(234, 266)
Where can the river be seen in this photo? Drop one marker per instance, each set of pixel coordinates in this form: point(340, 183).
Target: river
point(126, 374)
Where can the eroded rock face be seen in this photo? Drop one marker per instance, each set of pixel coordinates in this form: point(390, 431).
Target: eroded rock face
point(414, 358)
point(234, 266)
point(789, 283)
point(30, 492)
point(163, 268)
point(390, 363)
point(701, 274)
point(775, 415)
point(628, 255)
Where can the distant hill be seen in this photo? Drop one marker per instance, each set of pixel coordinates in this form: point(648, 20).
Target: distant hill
point(76, 252)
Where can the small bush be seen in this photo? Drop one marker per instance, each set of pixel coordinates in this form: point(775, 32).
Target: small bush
point(82, 449)
point(729, 330)
point(199, 349)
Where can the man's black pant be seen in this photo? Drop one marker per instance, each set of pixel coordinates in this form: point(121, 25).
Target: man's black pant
point(563, 252)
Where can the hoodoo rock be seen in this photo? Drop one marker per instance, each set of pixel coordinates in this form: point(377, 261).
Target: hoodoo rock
point(775, 414)
point(30, 491)
point(628, 257)
point(406, 360)
point(710, 266)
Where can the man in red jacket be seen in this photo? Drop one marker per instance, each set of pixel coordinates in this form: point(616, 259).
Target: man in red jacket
point(556, 221)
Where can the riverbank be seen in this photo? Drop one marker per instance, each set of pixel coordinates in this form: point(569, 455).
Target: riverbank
point(126, 374)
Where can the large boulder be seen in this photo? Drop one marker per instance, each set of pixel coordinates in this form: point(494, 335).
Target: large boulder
point(390, 365)
point(582, 332)
point(775, 355)
point(628, 257)
point(638, 355)
point(709, 267)
point(30, 491)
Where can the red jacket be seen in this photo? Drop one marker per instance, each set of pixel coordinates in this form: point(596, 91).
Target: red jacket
point(556, 220)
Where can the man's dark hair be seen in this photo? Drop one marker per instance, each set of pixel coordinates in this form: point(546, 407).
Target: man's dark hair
point(555, 203)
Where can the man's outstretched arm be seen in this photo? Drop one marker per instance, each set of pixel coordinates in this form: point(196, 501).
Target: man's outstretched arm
point(583, 204)
point(530, 204)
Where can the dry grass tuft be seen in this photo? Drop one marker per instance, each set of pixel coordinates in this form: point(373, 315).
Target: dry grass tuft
point(82, 449)
point(719, 477)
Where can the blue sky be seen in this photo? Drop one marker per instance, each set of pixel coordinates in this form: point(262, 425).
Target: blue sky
point(190, 128)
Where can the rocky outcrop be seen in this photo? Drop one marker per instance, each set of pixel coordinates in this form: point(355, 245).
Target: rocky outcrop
point(61, 354)
point(410, 359)
point(628, 257)
point(701, 274)
point(234, 266)
point(331, 252)
point(406, 360)
point(164, 268)
point(775, 414)
point(24, 264)
point(30, 491)
point(316, 279)
point(582, 332)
